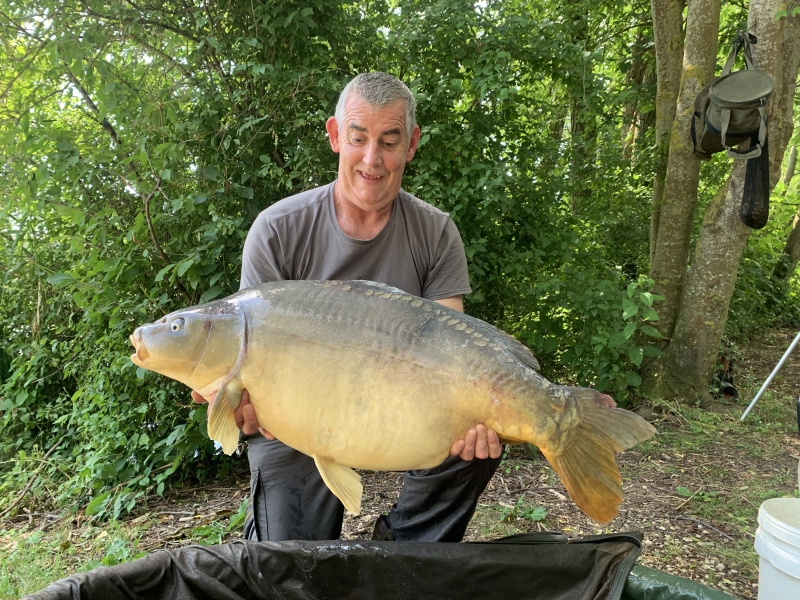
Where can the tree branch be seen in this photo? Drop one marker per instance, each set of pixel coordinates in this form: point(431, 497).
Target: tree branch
point(153, 239)
point(88, 99)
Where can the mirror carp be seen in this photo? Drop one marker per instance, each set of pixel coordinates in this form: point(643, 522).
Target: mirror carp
point(362, 375)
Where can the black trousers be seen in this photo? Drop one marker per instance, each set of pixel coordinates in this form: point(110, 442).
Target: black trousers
point(289, 500)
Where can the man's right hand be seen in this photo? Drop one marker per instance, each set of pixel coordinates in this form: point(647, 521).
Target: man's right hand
point(245, 415)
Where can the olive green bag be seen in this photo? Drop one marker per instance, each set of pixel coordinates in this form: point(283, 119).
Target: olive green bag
point(730, 111)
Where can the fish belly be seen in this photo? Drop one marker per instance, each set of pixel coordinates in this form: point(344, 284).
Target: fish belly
point(362, 409)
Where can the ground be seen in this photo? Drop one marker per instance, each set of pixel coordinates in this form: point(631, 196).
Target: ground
point(693, 491)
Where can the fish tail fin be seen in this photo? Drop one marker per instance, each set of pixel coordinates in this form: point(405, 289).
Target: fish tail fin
point(343, 481)
point(586, 465)
point(221, 420)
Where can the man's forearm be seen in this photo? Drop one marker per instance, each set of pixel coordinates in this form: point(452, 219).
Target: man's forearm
point(454, 302)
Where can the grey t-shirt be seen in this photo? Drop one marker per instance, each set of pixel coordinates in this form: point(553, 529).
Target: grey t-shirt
point(419, 250)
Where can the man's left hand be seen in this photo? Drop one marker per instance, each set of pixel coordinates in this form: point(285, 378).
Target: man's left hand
point(478, 442)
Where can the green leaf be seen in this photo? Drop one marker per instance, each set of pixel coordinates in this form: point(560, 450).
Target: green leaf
point(211, 294)
point(651, 351)
point(682, 491)
point(629, 309)
point(60, 279)
point(636, 354)
point(646, 298)
point(537, 513)
point(164, 271)
point(184, 266)
point(629, 330)
point(633, 378)
point(617, 339)
point(652, 332)
point(650, 314)
point(69, 212)
point(96, 505)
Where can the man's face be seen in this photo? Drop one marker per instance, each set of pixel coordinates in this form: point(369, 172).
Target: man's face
point(373, 151)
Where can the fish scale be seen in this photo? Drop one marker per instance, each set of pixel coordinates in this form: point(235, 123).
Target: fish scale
point(361, 375)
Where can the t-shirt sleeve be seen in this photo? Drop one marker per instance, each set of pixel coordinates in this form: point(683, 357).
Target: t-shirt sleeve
point(449, 275)
point(262, 257)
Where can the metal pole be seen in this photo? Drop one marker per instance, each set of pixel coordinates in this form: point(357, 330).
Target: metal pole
point(772, 375)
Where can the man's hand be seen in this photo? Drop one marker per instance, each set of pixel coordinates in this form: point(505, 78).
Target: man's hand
point(245, 415)
point(478, 442)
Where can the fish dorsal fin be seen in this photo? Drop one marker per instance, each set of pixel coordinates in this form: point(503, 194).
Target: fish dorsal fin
point(342, 481)
point(508, 343)
point(221, 421)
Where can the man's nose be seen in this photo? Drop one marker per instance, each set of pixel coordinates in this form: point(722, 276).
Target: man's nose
point(373, 154)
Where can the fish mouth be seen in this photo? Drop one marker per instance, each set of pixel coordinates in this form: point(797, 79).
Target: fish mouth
point(141, 353)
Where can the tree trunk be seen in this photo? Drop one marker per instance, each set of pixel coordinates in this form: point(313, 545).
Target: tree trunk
point(633, 119)
point(688, 363)
point(790, 256)
point(679, 199)
point(583, 119)
point(668, 34)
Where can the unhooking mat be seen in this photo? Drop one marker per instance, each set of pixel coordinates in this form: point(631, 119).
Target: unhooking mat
point(544, 566)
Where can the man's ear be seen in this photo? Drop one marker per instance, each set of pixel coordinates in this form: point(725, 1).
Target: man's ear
point(332, 128)
point(413, 144)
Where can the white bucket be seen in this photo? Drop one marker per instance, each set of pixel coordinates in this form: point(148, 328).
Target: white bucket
point(778, 545)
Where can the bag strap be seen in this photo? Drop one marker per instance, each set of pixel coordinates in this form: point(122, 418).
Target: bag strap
point(743, 40)
point(724, 121)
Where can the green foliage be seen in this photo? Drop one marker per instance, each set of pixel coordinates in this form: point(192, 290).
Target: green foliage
point(216, 531)
point(31, 559)
point(522, 511)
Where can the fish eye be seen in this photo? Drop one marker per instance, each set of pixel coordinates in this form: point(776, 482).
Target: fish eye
point(177, 324)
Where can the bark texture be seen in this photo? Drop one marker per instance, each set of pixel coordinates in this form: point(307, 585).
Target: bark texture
point(790, 256)
point(679, 199)
point(688, 364)
point(668, 34)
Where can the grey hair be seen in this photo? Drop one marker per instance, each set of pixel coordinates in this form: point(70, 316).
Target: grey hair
point(379, 89)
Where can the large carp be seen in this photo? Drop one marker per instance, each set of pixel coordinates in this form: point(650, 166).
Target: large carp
point(360, 374)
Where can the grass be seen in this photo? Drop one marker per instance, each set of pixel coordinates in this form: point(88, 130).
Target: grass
point(32, 559)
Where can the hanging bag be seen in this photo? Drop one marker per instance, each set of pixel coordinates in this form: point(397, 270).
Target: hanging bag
point(732, 110)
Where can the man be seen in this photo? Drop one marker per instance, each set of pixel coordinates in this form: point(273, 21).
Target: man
point(362, 226)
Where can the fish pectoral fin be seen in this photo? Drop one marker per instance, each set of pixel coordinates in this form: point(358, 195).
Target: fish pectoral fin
point(342, 481)
point(221, 420)
point(586, 466)
point(509, 441)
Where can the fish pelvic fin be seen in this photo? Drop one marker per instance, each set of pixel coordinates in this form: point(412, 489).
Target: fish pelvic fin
point(343, 481)
point(221, 420)
point(586, 465)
